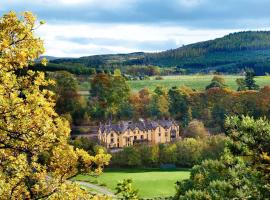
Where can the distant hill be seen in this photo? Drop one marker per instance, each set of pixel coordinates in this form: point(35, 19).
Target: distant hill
point(229, 54)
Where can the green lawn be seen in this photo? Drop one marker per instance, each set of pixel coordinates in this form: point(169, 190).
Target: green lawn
point(151, 183)
point(193, 81)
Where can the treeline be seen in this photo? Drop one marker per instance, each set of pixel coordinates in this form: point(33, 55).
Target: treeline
point(111, 99)
point(108, 101)
point(76, 69)
point(249, 40)
point(183, 153)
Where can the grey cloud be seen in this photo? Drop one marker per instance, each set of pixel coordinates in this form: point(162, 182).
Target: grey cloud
point(152, 45)
point(205, 14)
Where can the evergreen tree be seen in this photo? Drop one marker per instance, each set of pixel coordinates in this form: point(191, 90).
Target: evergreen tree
point(249, 80)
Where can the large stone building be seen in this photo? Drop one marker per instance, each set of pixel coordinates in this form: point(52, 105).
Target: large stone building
point(128, 133)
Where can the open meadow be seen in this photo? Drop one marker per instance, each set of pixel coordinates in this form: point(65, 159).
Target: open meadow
point(198, 82)
point(150, 183)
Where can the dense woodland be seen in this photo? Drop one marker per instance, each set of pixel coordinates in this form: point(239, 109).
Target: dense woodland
point(111, 99)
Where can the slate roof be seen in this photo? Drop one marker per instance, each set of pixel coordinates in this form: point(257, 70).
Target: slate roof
point(122, 126)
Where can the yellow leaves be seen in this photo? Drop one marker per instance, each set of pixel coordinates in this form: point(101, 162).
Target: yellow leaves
point(70, 191)
point(265, 156)
point(29, 18)
point(4, 44)
point(18, 45)
point(29, 125)
point(199, 178)
point(44, 61)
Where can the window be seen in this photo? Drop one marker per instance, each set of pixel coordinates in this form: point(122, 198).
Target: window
point(111, 134)
point(135, 137)
point(141, 137)
point(166, 134)
point(159, 134)
point(112, 140)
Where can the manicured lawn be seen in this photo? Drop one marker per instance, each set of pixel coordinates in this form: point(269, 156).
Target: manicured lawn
point(151, 183)
point(198, 82)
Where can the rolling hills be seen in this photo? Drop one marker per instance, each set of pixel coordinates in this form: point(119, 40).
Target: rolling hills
point(229, 54)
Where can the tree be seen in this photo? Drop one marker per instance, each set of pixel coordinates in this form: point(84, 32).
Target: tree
point(242, 172)
point(141, 103)
point(249, 80)
point(66, 90)
point(126, 191)
point(241, 84)
point(248, 83)
point(29, 126)
point(108, 93)
point(159, 105)
point(217, 81)
point(179, 104)
point(196, 129)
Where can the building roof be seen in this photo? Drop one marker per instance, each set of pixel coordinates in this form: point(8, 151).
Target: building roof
point(142, 125)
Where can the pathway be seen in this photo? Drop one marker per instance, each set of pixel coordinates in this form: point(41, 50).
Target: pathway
point(100, 189)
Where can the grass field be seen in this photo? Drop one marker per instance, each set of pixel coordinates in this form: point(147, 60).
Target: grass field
point(197, 82)
point(151, 183)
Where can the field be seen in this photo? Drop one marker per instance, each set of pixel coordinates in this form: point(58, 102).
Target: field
point(151, 183)
point(197, 82)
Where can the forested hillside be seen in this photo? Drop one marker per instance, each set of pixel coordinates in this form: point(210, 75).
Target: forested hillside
point(229, 54)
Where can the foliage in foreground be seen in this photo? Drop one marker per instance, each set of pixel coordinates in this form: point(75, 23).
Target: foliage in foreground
point(35, 158)
point(183, 153)
point(125, 190)
point(243, 170)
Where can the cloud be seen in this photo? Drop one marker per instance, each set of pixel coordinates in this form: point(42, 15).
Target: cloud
point(88, 39)
point(189, 13)
point(84, 27)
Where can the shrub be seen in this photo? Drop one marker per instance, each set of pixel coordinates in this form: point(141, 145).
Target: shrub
point(159, 78)
point(196, 129)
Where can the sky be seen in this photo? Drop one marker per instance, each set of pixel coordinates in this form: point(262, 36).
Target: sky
point(76, 28)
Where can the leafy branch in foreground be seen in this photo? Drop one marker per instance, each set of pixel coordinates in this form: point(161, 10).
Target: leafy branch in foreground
point(36, 160)
point(126, 191)
point(243, 170)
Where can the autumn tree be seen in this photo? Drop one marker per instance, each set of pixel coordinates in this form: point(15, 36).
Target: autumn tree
point(29, 126)
point(159, 105)
point(141, 103)
point(179, 104)
point(196, 129)
point(69, 102)
point(108, 94)
point(217, 81)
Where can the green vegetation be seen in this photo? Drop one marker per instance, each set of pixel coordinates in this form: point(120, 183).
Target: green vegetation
point(182, 153)
point(150, 183)
point(198, 82)
point(242, 172)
